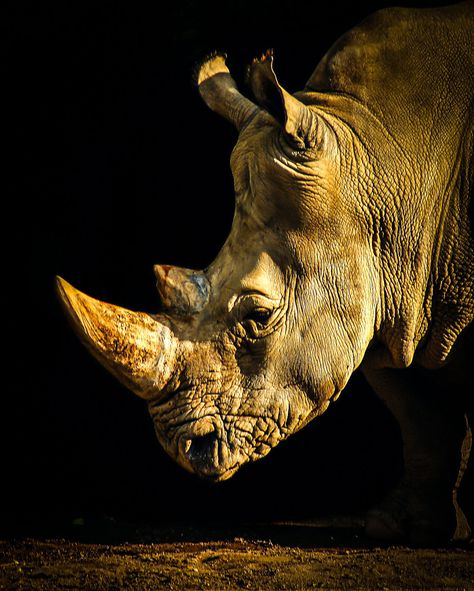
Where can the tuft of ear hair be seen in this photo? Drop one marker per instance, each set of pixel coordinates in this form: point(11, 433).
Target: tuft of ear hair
point(265, 86)
point(267, 56)
point(210, 64)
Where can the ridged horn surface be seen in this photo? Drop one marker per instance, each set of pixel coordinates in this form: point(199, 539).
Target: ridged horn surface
point(134, 346)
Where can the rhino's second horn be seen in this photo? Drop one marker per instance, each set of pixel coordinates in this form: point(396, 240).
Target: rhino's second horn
point(182, 291)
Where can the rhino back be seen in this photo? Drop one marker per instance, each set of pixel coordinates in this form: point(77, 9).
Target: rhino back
point(410, 67)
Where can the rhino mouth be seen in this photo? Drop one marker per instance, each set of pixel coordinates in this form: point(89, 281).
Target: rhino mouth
point(215, 442)
point(202, 448)
point(203, 455)
point(214, 447)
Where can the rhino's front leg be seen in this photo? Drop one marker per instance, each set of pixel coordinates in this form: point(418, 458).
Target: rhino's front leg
point(436, 444)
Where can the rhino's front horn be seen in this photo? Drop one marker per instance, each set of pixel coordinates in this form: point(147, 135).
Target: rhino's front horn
point(138, 349)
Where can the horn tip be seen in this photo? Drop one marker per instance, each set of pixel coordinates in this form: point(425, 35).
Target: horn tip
point(161, 271)
point(63, 288)
point(71, 300)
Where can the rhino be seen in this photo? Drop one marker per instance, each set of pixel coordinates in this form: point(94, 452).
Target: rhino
point(351, 247)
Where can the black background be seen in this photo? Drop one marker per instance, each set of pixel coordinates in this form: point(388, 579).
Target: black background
point(114, 164)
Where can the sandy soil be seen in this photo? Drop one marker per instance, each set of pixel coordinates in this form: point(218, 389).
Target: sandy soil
point(333, 556)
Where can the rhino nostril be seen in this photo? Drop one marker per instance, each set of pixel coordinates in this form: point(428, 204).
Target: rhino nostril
point(201, 447)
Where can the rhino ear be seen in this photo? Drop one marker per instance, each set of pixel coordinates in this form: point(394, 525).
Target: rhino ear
point(302, 127)
point(219, 91)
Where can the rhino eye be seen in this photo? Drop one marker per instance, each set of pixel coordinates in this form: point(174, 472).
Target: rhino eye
point(258, 315)
point(255, 314)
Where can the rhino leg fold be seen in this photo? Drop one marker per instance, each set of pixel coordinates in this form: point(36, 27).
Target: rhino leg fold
point(136, 347)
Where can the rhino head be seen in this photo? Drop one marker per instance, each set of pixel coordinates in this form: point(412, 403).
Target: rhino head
point(247, 351)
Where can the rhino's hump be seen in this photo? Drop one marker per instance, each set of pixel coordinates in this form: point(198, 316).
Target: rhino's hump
point(403, 62)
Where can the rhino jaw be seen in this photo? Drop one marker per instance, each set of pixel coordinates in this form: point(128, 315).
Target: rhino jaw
point(135, 347)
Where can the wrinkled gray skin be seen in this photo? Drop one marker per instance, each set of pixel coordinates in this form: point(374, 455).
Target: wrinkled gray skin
point(351, 246)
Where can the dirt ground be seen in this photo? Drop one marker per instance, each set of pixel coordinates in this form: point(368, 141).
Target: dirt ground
point(332, 555)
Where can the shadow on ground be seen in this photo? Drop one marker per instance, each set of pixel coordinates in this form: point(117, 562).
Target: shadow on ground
point(333, 553)
point(327, 532)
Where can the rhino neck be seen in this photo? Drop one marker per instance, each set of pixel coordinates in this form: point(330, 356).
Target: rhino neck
point(416, 208)
point(415, 127)
point(422, 238)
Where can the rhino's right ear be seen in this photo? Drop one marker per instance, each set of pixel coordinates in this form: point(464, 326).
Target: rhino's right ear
point(302, 127)
point(220, 93)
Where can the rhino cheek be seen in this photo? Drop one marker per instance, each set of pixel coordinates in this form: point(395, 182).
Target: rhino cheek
point(335, 322)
